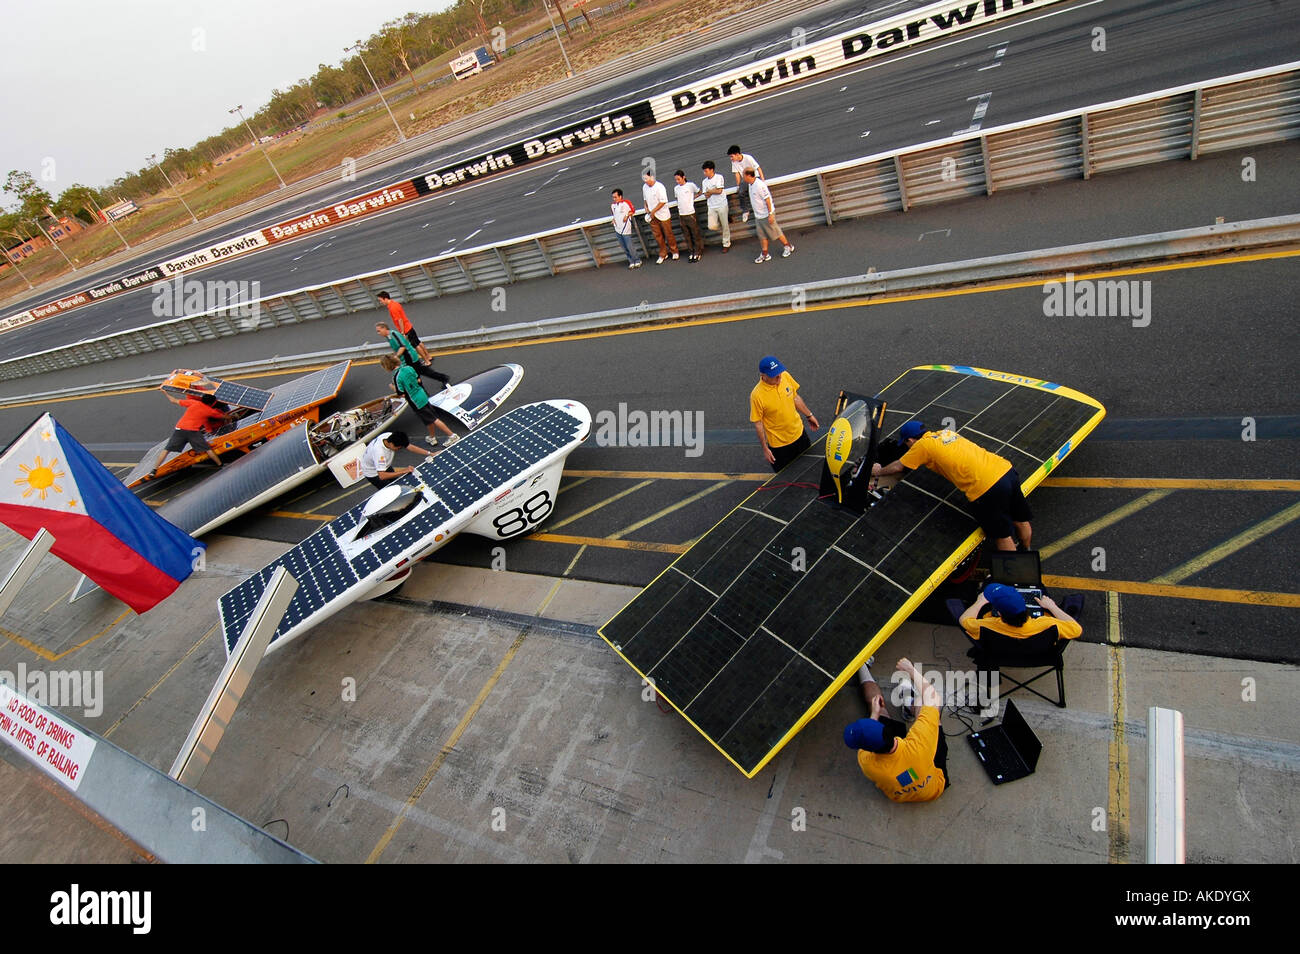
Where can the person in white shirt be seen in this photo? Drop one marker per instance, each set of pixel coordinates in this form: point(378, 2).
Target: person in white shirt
point(686, 193)
point(740, 161)
point(623, 213)
point(659, 217)
point(760, 196)
point(714, 188)
point(377, 460)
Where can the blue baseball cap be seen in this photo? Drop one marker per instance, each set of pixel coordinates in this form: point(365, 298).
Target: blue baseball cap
point(1005, 599)
point(868, 734)
point(771, 367)
point(911, 430)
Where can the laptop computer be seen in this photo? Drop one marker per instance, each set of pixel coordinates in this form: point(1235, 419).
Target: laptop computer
point(1020, 569)
point(1008, 751)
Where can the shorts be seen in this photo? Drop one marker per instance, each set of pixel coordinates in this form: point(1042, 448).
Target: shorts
point(997, 507)
point(412, 337)
point(176, 443)
point(767, 229)
point(380, 482)
point(426, 413)
point(789, 452)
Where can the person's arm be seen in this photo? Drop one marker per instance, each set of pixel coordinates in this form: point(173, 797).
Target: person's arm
point(394, 472)
point(1049, 604)
point(762, 440)
point(897, 467)
point(802, 408)
point(929, 696)
point(973, 611)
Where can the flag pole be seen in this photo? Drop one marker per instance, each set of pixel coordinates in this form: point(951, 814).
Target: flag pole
point(25, 567)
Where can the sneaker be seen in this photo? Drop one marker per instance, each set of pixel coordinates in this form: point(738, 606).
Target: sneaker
point(675, 256)
point(726, 249)
point(431, 441)
point(744, 217)
point(633, 264)
point(788, 250)
point(762, 258)
point(660, 260)
point(451, 440)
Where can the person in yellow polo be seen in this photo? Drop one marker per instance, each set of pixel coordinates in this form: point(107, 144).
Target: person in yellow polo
point(913, 768)
point(774, 408)
point(989, 482)
point(1009, 614)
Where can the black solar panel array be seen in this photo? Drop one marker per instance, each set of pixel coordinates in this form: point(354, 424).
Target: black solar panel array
point(305, 391)
point(241, 395)
point(460, 476)
point(749, 630)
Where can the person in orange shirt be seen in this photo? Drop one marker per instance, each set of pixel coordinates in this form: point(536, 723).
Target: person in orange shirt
point(911, 768)
point(403, 325)
point(989, 482)
point(774, 409)
point(189, 430)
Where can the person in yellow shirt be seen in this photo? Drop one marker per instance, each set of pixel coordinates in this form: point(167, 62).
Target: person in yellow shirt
point(1010, 614)
point(913, 768)
point(774, 409)
point(989, 482)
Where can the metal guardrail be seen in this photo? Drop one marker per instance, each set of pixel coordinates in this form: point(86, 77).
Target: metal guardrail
point(1262, 106)
point(1160, 246)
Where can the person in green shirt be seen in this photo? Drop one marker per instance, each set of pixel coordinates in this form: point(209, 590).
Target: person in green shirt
point(408, 355)
point(407, 383)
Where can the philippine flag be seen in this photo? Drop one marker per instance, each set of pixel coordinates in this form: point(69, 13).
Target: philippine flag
point(102, 529)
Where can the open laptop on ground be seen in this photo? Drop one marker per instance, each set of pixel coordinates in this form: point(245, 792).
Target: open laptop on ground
point(1008, 751)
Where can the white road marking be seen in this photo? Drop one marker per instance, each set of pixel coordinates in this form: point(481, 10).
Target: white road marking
point(562, 170)
point(981, 107)
point(933, 122)
point(471, 235)
point(943, 232)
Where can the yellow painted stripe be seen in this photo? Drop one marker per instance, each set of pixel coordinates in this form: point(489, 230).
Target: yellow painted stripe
point(161, 679)
point(60, 599)
point(1117, 814)
point(322, 517)
point(673, 324)
point(86, 642)
point(633, 528)
point(670, 474)
point(1228, 547)
point(450, 744)
point(612, 544)
point(1101, 523)
point(1172, 483)
point(342, 496)
point(28, 644)
point(1207, 594)
point(604, 503)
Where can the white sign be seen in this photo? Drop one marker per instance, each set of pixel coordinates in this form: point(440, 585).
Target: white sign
point(60, 748)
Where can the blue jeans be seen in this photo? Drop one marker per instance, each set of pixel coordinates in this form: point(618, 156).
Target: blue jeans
point(626, 242)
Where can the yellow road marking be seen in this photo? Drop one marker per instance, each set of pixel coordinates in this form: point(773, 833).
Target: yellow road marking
point(1118, 789)
point(1208, 594)
point(667, 510)
point(1101, 523)
point(451, 741)
point(342, 496)
point(161, 679)
point(573, 483)
point(322, 517)
point(1171, 483)
point(674, 324)
point(613, 544)
point(28, 644)
point(604, 503)
point(60, 599)
point(49, 654)
point(574, 562)
point(1226, 549)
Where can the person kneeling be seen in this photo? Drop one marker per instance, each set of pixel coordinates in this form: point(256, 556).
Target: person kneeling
point(910, 768)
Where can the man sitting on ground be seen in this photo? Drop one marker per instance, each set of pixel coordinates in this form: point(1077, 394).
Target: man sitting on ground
point(913, 768)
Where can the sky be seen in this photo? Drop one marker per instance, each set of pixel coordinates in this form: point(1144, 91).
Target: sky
point(93, 87)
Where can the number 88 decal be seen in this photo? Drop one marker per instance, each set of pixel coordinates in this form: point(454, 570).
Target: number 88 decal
point(518, 519)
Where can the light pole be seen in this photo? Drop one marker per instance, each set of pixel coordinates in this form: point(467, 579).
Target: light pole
point(258, 143)
point(111, 223)
point(357, 47)
point(154, 160)
point(14, 261)
point(37, 222)
point(567, 65)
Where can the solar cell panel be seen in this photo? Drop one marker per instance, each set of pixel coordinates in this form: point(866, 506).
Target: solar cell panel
point(748, 641)
point(307, 391)
point(241, 395)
